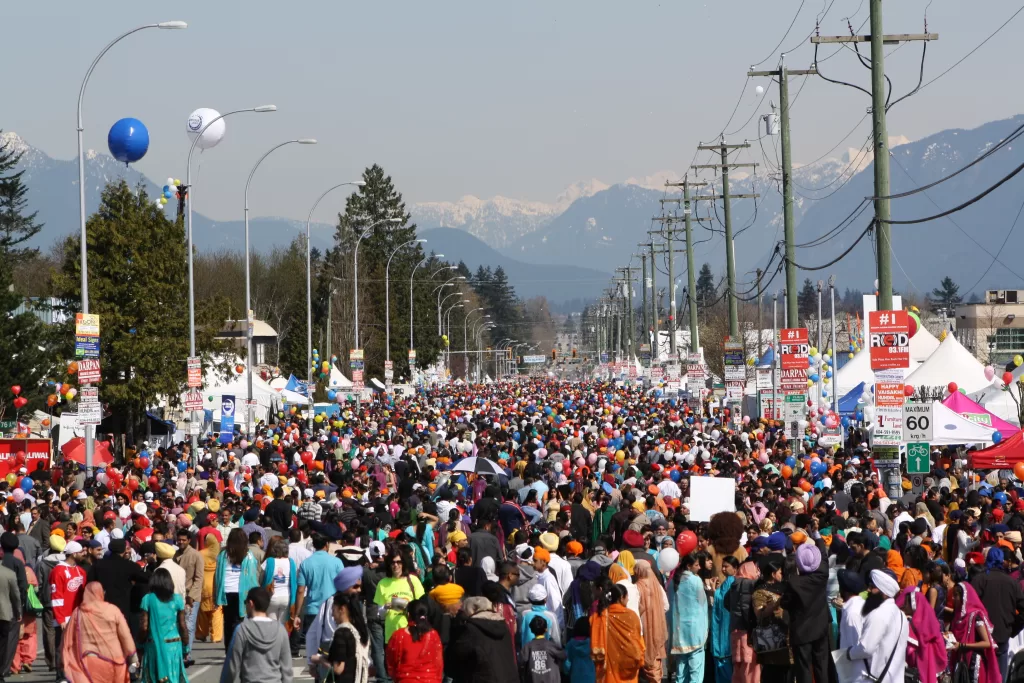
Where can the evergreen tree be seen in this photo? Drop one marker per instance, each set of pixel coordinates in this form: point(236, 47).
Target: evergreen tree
point(946, 295)
point(463, 270)
point(705, 286)
point(377, 201)
point(138, 285)
point(503, 306)
point(21, 360)
point(807, 301)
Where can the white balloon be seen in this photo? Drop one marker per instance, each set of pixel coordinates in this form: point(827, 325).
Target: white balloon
point(759, 90)
point(201, 118)
point(170, 181)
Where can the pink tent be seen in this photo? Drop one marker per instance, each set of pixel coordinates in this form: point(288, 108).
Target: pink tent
point(962, 405)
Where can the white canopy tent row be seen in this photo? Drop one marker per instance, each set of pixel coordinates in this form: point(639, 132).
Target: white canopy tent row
point(951, 362)
point(1000, 402)
point(858, 369)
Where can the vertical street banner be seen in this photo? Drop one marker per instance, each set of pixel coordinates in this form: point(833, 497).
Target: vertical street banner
point(889, 340)
point(888, 427)
point(794, 348)
point(195, 372)
point(227, 418)
point(735, 367)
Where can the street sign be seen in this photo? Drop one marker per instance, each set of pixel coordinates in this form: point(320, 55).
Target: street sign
point(735, 367)
point(412, 357)
point(8, 425)
point(194, 401)
point(90, 413)
point(917, 483)
point(888, 427)
point(89, 371)
point(195, 372)
point(87, 335)
point(918, 458)
point(889, 339)
point(534, 360)
point(917, 422)
point(886, 456)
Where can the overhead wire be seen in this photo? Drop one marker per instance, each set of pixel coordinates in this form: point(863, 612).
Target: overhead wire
point(841, 256)
point(784, 35)
point(1001, 247)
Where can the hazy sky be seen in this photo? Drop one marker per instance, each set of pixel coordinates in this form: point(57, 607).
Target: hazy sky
point(452, 98)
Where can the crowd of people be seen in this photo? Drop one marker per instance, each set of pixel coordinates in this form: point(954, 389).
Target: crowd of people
point(535, 531)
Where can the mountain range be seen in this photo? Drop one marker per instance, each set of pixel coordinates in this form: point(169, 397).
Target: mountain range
point(567, 248)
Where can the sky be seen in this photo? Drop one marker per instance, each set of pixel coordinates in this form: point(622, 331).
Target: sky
point(455, 98)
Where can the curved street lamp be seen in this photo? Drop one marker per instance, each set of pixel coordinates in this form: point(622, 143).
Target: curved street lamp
point(355, 270)
point(387, 296)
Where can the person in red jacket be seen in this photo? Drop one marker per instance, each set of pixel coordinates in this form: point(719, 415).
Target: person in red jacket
point(67, 584)
point(414, 653)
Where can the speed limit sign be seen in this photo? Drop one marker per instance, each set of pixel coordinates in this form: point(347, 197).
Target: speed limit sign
point(917, 422)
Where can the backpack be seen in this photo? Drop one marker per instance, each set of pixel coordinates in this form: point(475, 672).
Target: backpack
point(34, 605)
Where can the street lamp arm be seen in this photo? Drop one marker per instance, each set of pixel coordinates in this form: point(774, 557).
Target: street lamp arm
point(357, 183)
point(257, 165)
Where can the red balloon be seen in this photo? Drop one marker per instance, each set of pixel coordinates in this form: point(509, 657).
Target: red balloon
point(952, 387)
point(908, 390)
point(20, 402)
point(145, 463)
point(1007, 378)
point(133, 484)
point(19, 459)
point(282, 468)
point(16, 389)
point(686, 543)
point(154, 482)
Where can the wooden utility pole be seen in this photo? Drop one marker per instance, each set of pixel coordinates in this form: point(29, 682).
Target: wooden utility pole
point(783, 74)
point(730, 249)
point(880, 137)
point(691, 287)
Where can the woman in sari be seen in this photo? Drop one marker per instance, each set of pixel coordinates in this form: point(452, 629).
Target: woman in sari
point(164, 632)
point(894, 563)
point(616, 644)
point(653, 606)
point(689, 622)
point(211, 617)
point(972, 629)
point(929, 655)
point(98, 644)
point(721, 650)
point(619, 576)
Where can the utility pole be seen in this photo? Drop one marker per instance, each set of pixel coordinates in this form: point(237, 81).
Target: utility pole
point(730, 249)
point(783, 74)
point(880, 136)
point(656, 335)
point(667, 222)
point(643, 291)
point(627, 282)
point(691, 286)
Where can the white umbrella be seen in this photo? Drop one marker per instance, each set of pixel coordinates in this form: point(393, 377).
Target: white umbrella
point(477, 465)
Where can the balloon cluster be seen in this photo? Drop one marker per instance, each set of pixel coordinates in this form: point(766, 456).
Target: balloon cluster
point(19, 400)
point(322, 367)
point(169, 191)
point(914, 319)
point(821, 366)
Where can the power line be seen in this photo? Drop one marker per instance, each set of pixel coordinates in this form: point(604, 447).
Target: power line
point(1001, 247)
point(784, 36)
point(841, 256)
point(978, 47)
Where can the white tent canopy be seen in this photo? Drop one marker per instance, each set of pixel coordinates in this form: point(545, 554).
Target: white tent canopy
point(338, 380)
point(922, 346)
point(951, 362)
point(951, 428)
point(858, 369)
point(999, 402)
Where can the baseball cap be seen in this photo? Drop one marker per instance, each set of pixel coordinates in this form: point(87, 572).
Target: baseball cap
point(93, 544)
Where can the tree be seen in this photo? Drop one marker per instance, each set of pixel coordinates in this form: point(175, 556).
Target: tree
point(138, 286)
point(946, 296)
point(376, 201)
point(22, 361)
point(807, 300)
point(705, 287)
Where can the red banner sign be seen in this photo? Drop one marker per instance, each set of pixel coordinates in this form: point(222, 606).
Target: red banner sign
point(35, 451)
point(794, 348)
point(889, 339)
point(89, 371)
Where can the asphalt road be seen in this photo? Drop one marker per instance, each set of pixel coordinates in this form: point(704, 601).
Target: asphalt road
point(207, 669)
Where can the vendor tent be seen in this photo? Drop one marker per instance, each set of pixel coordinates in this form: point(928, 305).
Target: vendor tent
point(922, 345)
point(964, 406)
point(848, 402)
point(1003, 456)
point(951, 362)
point(857, 371)
point(338, 380)
point(949, 428)
point(999, 401)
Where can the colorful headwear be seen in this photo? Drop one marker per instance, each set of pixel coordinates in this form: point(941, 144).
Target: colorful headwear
point(542, 554)
point(575, 548)
point(164, 551)
point(447, 594)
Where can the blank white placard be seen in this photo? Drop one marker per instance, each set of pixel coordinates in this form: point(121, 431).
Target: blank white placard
point(710, 495)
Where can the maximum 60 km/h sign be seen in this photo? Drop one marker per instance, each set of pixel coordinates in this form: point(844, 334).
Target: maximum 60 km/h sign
point(917, 422)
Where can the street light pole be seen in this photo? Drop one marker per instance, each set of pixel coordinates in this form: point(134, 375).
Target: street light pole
point(191, 284)
point(355, 269)
point(411, 277)
point(82, 247)
point(250, 357)
point(465, 339)
point(448, 329)
point(309, 299)
point(387, 298)
point(439, 289)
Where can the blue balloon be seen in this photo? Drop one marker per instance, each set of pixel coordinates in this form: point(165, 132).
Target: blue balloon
point(845, 421)
point(331, 394)
point(182, 465)
point(860, 415)
point(675, 476)
point(128, 140)
point(27, 484)
point(629, 436)
point(828, 373)
point(689, 420)
point(997, 437)
point(791, 461)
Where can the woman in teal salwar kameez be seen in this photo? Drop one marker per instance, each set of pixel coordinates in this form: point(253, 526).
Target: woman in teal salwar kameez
point(166, 636)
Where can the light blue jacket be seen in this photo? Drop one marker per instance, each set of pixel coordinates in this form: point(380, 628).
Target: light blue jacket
point(249, 579)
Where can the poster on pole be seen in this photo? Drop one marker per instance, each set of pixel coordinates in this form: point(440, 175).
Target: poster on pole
point(735, 367)
point(889, 340)
point(195, 372)
point(89, 371)
point(794, 348)
point(227, 419)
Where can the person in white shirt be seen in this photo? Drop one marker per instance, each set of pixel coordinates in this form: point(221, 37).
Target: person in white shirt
point(251, 459)
point(165, 553)
point(557, 565)
point(882, 646)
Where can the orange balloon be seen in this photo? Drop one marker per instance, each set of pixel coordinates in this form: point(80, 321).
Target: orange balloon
point(46, 423)
point(786, 471)
point(1018, 470)
point(73, 367)
point(805, 486)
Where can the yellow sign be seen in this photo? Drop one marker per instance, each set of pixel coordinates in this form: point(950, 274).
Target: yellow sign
point(87, 325)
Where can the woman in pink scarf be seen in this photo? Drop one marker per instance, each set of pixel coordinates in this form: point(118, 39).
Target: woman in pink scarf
point(929, 655)
point(973, 631)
